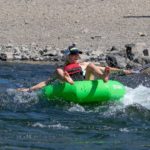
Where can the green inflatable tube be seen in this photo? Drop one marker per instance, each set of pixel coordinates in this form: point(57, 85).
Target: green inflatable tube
point(83, 92)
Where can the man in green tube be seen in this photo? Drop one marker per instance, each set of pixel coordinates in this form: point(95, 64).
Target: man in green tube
point(76, 70)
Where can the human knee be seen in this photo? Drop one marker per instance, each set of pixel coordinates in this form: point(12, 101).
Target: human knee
point(59, 71)
point(90, 66)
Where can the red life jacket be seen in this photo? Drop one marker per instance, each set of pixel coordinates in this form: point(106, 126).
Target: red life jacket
point(73, 68)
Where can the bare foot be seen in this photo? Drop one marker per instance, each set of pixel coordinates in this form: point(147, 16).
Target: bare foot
point(128, 72)
point(106, 74)
point(23, 89)
point(68, 78)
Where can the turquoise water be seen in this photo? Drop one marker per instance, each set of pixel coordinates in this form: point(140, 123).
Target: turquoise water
point(28, 121)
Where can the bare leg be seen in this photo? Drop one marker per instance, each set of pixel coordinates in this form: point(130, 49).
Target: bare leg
point(92, 70)
point(90, 75)
point(63, 75)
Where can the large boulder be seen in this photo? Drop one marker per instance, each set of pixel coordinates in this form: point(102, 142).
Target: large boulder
point(116, 60)
point(137, 52)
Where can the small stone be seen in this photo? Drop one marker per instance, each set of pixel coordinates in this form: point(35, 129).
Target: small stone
point(9, 45)
point(85, 30)
point(141, 34)
point(17, 57)
point(113, 48)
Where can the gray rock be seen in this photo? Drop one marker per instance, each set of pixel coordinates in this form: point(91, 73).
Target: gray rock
point(142, 34)
point(25, 57)
point(9, 55)
point(45, 58)
point(145, 59)
point(96, 37)
point(3, 56)
point(17, 57)
point(84, 57)
point(115, 61)
point(85, 30)
point(36, 58)
point(6, 56)
point(146, 71)
point(96, 53)
point(129, 52)
point(146, 52)
point(138, 49)
point(50, 53)
point(9, 45)
point(24, 49)
point(16, 50)
point(132, 65)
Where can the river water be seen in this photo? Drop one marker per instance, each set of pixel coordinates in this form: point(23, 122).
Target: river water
point(29, 122)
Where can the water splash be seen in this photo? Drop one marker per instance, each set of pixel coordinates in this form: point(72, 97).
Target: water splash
point(139, 95)
point(22, 97)
point(76, 108)
point(136, 103)
point(14, 100)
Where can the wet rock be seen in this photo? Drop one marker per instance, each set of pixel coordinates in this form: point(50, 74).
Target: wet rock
point(132, 65)
point(115, 61)
point(3, 56)
point(129, 52)
point(146, 71)
point(145, 59)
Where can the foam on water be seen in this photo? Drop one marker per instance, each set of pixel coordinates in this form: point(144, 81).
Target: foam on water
point(135, 100)
point(22, 97)
point(54, 126)
point(139, 95)
point(14, 100)
point(76, 108)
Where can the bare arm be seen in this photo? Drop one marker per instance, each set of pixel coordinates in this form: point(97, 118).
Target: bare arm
point(39, 85)
point(35, 87)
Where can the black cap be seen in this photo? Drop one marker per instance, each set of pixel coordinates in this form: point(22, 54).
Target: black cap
point(73, 50)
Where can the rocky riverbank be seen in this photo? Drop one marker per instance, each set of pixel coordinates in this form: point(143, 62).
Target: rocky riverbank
point(132, 55)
